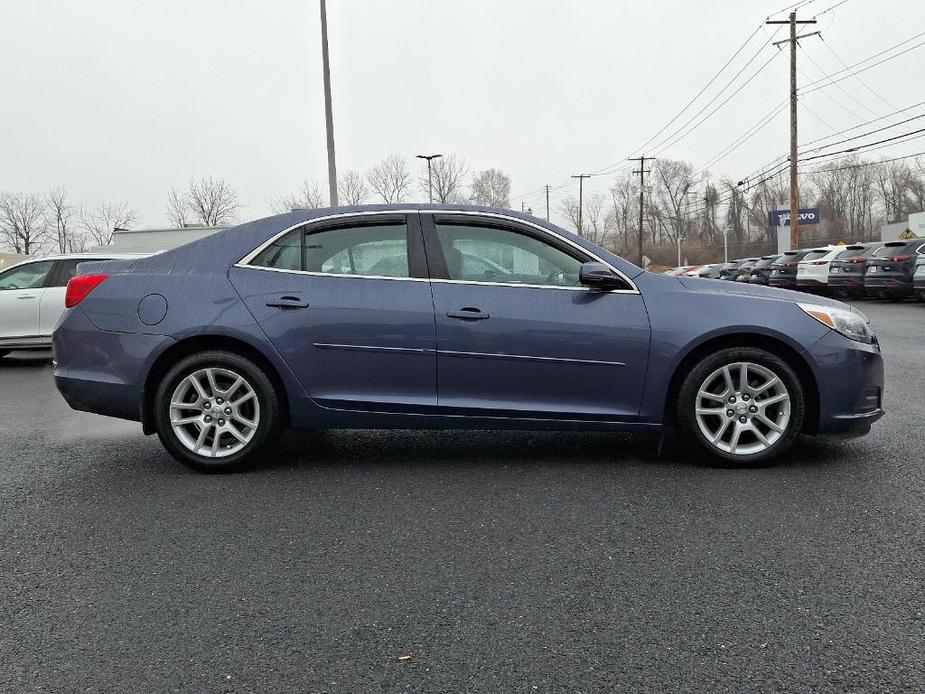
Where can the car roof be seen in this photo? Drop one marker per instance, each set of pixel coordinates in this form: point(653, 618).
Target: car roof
point(219, 251)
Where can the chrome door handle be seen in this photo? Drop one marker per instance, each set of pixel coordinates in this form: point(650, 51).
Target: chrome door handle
point(30, 296)
point(468, 313)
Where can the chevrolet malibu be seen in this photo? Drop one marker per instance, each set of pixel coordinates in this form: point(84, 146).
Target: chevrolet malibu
point(450, 317)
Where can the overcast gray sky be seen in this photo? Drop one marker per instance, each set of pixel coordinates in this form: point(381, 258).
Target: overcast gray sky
point(120, 100)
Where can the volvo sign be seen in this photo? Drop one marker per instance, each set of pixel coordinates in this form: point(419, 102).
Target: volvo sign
point(781, 218)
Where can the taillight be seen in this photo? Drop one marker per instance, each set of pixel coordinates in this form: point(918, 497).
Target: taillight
point(789, 264)
point(79, 287)
point(858, 261)
point(901, 258)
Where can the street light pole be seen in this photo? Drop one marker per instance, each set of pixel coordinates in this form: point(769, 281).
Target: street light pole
point(328, 112)
point(430, 180)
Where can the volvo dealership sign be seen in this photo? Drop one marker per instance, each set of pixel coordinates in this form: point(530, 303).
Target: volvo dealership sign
point(781, 218)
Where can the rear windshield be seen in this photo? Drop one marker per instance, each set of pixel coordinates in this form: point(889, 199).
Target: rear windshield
point(815, 255)
point(897, 249)
point(852, 252)
point(765, 262)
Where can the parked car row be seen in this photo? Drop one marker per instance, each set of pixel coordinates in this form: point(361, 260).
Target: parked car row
point(894, 270)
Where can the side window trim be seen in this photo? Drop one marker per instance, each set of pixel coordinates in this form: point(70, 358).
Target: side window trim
point(414, 244)
point(436, 258)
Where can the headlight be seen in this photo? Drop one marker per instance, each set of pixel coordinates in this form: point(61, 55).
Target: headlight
point(852, 324)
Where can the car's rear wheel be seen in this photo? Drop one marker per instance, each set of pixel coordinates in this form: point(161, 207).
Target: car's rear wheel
point(742, 405)
point(217, 411)
point(920, 295)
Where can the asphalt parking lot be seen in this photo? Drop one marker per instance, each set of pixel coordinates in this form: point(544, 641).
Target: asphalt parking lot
point(499, 562)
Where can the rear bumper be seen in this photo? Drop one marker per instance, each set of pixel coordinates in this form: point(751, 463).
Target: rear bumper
point(811, 282)
point(842, 280)
point(899, 284)
point(100, 371)
point(849, 376)
point(783, 282)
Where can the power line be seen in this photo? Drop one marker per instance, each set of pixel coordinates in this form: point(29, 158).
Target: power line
point(863, 82)
point(815, 86)
point(861, 125)
point(863, 164)
point(864, 146)
point(744, 137)
point(840, 88)
point(607, 169)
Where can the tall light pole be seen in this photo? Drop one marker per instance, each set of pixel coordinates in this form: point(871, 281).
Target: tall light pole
point(328, 112)
point(430, 180)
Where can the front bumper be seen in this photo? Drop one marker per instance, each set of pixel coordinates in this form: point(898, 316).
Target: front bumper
point(849, 376)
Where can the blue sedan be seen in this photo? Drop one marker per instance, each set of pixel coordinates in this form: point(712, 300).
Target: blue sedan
point(450, 317)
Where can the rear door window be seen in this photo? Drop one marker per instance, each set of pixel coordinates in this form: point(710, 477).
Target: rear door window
point(31, 276)
point(359, 249)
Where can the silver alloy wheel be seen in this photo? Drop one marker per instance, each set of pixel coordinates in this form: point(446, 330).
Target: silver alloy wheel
point(214, 412)
point(743, 408)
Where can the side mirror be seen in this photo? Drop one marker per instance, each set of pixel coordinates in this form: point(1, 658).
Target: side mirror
point(598, 276)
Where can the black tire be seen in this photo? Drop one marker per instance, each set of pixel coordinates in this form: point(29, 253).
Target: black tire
point(920, 295)
point(265, 434)
point(3, 353)
point(686, 414)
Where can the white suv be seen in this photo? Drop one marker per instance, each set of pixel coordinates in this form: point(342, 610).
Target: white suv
point(32, 298)
point(813, 269)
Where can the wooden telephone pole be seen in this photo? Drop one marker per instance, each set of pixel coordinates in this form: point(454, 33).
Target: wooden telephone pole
point(642, 171)
point(581, 180)
point(794, 183)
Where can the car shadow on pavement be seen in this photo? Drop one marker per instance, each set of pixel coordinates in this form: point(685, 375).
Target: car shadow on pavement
point(377, 448)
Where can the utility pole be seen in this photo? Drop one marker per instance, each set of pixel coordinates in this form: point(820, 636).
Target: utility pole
point(547, 202)
point(642, 171)
point(794, 189)
point(328, 112)
point(581, 180)
point(430, 180)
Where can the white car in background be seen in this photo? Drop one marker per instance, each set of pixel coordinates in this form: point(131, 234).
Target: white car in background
point(32, 297)
point(813, 269)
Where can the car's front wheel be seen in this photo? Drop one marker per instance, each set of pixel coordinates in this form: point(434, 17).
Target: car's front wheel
point(742, 405)
point(217, 411)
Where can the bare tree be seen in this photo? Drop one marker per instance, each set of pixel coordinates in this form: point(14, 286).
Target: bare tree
point(308, 197)
point(390, 179)
point(352, 188)
point(23, 223)
point(177, 208)
point(492, 188)
point(622, 217)
point(101, 222)
point(846, 198)
point(213, 201)
point(672, 181)
point(448, 175)
point(893, 180)
point(917, 185)
point(209, 201)
point(60, 214)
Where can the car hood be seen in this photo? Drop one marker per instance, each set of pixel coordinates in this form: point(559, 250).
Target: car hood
point(708, 286)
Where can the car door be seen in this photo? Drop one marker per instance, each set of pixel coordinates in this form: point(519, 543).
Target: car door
point(517, 335)
point(347, 303)
point(21, 291)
